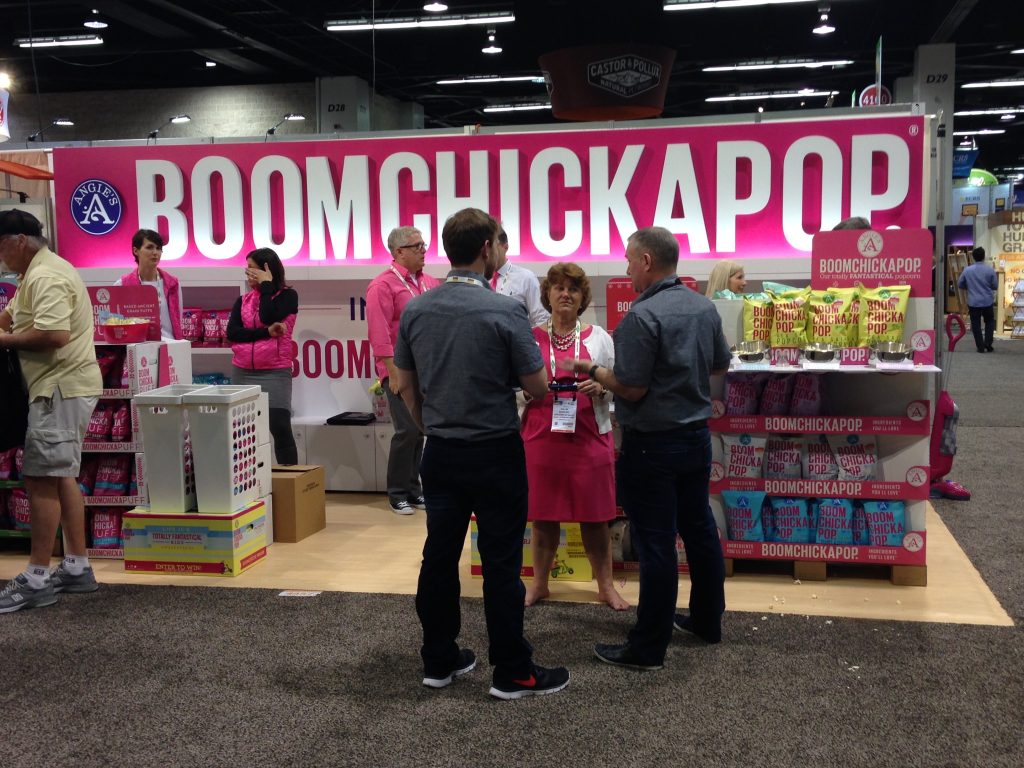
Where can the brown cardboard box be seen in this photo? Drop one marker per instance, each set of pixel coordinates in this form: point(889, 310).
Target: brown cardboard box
point(300, 507)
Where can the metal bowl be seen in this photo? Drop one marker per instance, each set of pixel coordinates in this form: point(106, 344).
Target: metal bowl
point(751, 351)
point(820, 352)
point(892, 351)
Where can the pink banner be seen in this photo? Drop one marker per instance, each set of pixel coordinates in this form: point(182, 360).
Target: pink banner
point(739, 191)
point(911, 553)
point(914, 487)
point(895, 257)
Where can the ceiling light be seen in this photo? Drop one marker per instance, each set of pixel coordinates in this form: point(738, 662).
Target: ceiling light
point(435, 7)
point(698, 5)
point(516, 107)
point(1019, 50)
point(996, 111)
point(982, 132)
point(492, 46)
point(806, 92)
point(1008, 83)
point(1009, 116)
point(95, 21)
point(824, 28)
point(5, 81)
point(54, 41)
point(62, 122)
point(181, 119)
point(211, 64)
point(415, 22)
point(745, 66)
point(290, 117)
point(492, 79)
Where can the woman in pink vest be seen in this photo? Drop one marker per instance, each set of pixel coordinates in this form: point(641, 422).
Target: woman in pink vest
point(147, 248)
point(260, 332)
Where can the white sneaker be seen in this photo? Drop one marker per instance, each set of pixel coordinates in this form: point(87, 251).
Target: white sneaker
point(402, 507)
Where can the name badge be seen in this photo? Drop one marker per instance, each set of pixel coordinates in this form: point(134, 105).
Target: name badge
point(563, 415)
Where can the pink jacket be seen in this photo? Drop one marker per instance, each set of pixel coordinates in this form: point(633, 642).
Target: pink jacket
point(170, 294)
point(262, 354)
point(386, 297)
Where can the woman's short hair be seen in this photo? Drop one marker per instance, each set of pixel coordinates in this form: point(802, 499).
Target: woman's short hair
point(267, 258)
point(567, 272)
point(139, 239)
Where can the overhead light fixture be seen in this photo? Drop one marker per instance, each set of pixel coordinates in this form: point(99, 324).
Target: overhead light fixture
point(477, 79)
point(1007, 83)
point(290, 117)
point(55, 41)
point(492, 46)
point(747, 66)
point(524, 107)
point(1009, 116)
point(802, 94)
point(416, 22)
point(211, 64)
point(60, 122)
point(982, 132)
point(1019, 50)
point(435, 7)
point(824, 27)
point(995, 111)
point(176, 119)
point(700, 5)
point(95, 21)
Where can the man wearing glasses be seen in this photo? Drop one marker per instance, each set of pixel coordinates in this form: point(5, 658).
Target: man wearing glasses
point(386, 297)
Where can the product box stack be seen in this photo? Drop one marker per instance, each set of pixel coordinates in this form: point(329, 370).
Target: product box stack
point(208, 439)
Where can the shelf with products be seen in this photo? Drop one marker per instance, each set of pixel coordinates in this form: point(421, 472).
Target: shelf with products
point(1017, 318)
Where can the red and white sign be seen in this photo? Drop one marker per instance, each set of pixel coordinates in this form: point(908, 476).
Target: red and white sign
point(894, 257)
point(619, 295)
point(873, 97)
point(914, 488)
point(749, 191)
point(125, 301)
point(916, 422)
point(911, 553)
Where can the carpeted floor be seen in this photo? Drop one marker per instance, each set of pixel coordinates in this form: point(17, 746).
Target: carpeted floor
point(166, 676)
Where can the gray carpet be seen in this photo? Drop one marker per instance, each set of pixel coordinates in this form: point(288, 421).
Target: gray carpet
point(170, 676)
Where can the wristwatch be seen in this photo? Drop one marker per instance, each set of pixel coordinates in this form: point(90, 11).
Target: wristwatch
point(593, 371)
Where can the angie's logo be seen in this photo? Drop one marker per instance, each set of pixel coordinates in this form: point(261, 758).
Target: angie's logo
point(96, 207)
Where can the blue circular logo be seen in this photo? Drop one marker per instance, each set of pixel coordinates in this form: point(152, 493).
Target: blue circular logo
point(96, 207)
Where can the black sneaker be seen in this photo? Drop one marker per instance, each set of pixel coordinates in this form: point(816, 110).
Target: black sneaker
point(684, 623)
point(540, 682)
point(466, 663)
point(622, 656)
point(418, 501)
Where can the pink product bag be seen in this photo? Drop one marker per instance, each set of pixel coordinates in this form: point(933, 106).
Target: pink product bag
point(777, 395)
point(808, 395)
point(18, 509)
point(742, 393)
point(7, 471)
point(212, 334)
point(100, 423)
point(121, 425)
point(192, 324)
point(113, 475)
point(105, 528)
point(223, 318)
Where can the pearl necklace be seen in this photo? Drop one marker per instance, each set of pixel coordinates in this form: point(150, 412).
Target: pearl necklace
point(561, 342)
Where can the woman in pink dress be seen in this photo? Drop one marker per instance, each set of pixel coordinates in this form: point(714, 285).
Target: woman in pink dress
point(570, 459)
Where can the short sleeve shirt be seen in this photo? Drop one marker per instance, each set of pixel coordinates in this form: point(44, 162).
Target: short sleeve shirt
point(669, 341)
point(52, 297)
point(468, 347)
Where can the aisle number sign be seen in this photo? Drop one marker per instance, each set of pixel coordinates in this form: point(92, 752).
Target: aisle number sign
point(744, 191)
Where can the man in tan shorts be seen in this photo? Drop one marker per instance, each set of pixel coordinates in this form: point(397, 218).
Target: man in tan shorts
point(49, 322)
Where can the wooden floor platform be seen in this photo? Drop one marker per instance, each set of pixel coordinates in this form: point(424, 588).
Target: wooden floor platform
point(367, 548)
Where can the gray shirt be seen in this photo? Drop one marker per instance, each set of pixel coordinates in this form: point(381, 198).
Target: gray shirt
point(468, 347)
point(669, 342)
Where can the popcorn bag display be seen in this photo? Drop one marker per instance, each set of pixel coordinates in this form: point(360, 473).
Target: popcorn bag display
point(758, 312)
point(743, 515)
point(883, 313)
point(213, 336)
point(777, 395)
point(860, 526)
point(100, 423)
point(886, 521)
point(833, 521)
point(782, 457)
point(790, 521)
point(808, 395)
point(789, 321)
point(113, 475)
point(742, 393)
point(18, 510)
point(105, 527)
point(818, 461)
point(744, 455)
point(87, 474)
point(192, 325)
point(856, 455)
point(121, 423)
point(830, 317)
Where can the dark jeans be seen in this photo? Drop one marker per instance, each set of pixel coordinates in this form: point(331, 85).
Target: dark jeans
point(989, 316)
point(487, 477)
point(285, 450)
point(406, 450)
point(663, 484)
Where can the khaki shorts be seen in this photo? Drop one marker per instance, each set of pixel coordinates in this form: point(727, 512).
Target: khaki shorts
point(56, 429)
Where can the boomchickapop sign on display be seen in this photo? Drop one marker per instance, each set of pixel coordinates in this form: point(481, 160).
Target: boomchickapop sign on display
point(744, 191)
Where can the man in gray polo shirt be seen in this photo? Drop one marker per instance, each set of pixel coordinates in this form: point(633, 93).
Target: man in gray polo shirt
point(461, 349)
point(666, 348)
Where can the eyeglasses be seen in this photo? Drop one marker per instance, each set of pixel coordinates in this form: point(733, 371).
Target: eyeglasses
point(420, 246)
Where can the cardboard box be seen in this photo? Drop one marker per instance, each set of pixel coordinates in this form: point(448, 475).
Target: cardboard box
point(571, 563)
point(300, 506)
point(205, 545)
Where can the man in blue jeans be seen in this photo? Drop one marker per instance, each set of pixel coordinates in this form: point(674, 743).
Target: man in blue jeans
point(980, 280)
point(666, 349)
point(461, 349)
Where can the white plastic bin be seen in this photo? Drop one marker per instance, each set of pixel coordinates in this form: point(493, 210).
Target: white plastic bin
point(168, 446)
point(224, 439)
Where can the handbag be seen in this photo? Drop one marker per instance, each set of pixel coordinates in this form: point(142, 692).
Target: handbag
point(14, 395)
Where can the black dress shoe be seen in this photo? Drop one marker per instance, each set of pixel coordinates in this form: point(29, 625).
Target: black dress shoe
point(684, 623)
point(989, 349)
point(622, 656)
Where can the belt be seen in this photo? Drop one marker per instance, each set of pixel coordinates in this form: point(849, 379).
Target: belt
point(691, 426)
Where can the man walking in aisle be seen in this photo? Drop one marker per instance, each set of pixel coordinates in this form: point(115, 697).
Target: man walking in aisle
point(49, 322)
point(518, 282)
point(386, 297)
point(980, 280)
point(666, 349)
point(460, 351)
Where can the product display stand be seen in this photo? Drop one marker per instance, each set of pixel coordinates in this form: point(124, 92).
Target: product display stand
point(1017, 318)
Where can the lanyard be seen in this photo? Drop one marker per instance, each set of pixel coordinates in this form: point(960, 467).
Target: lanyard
point(551, 349)
point(404, 281)
point(461, 279)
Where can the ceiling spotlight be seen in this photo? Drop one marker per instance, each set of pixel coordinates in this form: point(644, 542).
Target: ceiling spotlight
point(435, 7)
point(211, 64)
point(492, 46)
point(95, 21)
point(291, 116)
point(824, 27)
point(176, 119)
